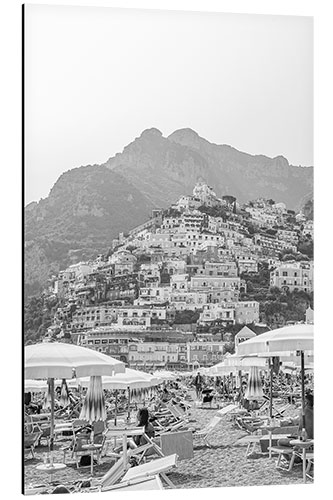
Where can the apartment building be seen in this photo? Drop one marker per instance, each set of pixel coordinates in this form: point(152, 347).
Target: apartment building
point(204, 353)
point(291, 275)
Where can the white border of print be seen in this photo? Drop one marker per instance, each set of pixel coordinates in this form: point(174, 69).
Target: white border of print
point(10, 82)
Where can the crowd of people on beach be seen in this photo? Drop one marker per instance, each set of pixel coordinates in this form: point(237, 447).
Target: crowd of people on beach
point(198, 389)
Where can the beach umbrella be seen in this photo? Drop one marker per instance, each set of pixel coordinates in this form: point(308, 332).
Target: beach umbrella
point(254, 387)
point(59, 360)
point(280, 342)
point(132, 379)
point(47, 403)
point(127, 381)
point(287, 341)
point(93, 408)
point(165, 375)
point(64, 399)
point(245, 363)
point(31, 385)
point(232, 364)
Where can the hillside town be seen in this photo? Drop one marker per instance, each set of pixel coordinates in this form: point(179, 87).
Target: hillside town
point(182, 289)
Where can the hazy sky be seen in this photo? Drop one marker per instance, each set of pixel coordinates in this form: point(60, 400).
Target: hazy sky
point(97, 77)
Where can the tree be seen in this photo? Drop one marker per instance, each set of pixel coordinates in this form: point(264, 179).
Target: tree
point(229, 348)
point(187, 316)
point(306, 247)
point(289, 256)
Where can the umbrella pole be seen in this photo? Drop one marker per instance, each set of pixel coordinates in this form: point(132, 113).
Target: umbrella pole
point(303, 389)
point(129, 405)
point(271, 390)
point(240, 381)
point(52, 419)
point(116, 408)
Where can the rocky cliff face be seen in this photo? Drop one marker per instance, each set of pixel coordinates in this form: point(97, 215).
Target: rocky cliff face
point(85, 210)
point(165, 168)
point(88, 206)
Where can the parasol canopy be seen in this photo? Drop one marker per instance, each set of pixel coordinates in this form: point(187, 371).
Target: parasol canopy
point(35, 385)
point(165, 375)
point(132, 379)
point(57, 360)
point(31, 385)
point(234, 363)
point(279, 342)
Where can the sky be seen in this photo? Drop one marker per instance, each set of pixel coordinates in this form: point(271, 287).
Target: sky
point(95, 78)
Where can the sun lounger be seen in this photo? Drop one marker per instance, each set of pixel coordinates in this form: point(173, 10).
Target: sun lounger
point(160, 466)
point(31, 441)
point(205, 432)
point(141, 484)
point(252, 441)
point(283, 452)
point(227, 409)
point(310, 463)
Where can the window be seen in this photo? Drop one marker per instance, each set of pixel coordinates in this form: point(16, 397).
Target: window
point(284, 273)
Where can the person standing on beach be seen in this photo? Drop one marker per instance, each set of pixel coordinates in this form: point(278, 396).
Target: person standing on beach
point(198, 384)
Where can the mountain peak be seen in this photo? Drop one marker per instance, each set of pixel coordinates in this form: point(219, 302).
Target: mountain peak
point(151, 132)
point(186, 137)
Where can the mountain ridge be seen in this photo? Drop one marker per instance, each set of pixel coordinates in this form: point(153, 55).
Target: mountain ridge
point(89, 205)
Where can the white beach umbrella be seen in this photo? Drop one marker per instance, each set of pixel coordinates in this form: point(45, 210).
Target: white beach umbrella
point(286, 341)
point(31, 385)
point(234, 363)
point(279, 342)
point(132, 379)
point(165, 375)
point(58, 360)
point(245, 363)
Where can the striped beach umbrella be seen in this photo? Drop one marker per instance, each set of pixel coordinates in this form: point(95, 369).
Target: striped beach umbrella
point(64, 399)
point(254, 387)
point(93, 408)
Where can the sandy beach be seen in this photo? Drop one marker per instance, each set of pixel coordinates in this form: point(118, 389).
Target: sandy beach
point(224, 464)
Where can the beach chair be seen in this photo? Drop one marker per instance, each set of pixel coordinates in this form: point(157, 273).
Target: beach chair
point(31, 440)
point(170, 427)
point(207, 430)
point(76, 447)
point(282, 461)
point(45, 433)
point(117, 470)
point(178, 413)
point(252, 441)
point(226, 409)
point(146, 451)
point(141, 484)
point(310, 464)
point(277, 411)
point(159, 466)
